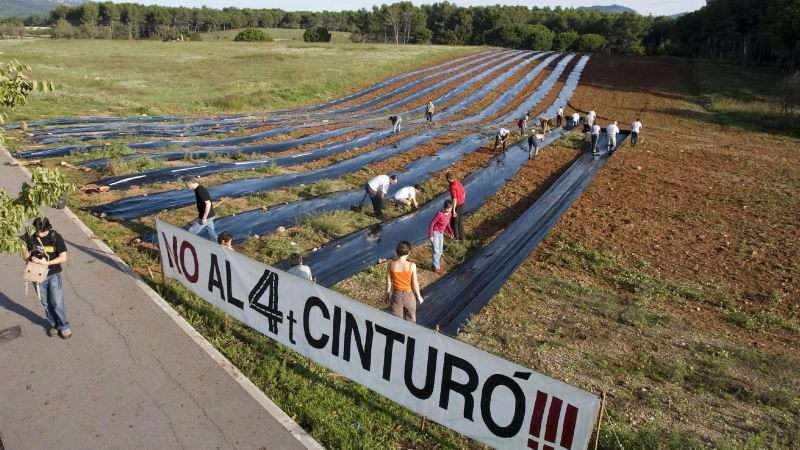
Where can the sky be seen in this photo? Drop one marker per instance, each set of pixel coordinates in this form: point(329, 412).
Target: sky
point(654, 7)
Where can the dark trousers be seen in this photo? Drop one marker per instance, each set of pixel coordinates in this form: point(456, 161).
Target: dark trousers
point(457, 223)
point(634, 138)
point(558, 120)
point(497, 142)
point(429, 117)
point(594, 142)
point(377, 200)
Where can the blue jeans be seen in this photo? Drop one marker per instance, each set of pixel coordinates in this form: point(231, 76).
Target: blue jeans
point(198, 226)
point(594, 142)
point(438, 246)
point(51, 293)
point(522, 130)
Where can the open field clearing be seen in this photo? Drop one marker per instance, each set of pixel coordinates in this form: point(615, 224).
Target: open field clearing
point(670, 284)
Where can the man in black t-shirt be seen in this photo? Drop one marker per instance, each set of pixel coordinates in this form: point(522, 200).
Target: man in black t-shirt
point(45, 241)
point(205, 211)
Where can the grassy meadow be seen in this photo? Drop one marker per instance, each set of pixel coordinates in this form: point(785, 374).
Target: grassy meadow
point(127, 78)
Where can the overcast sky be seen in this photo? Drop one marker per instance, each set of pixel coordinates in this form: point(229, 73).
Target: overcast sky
point(655, 7)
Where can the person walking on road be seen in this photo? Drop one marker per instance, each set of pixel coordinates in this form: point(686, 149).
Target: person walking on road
point(560, 117)
point(429, 112)
point(636, 128)
point(298, 268)
point(522, 124)
point(611, 136)
point(545, 124)
point(396, 121)
point(439, 224)
point(46, 247)
point(407, 196)
point(501, 137)
point(402, 286)
point(533, 145)
point(225, 239)
point(458, 196)
point(595, 137)
point(376, 189)
point(205, 210)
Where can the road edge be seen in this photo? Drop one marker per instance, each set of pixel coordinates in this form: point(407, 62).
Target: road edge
point(296, 430)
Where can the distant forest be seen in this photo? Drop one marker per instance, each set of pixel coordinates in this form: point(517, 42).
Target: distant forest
point(764, 31)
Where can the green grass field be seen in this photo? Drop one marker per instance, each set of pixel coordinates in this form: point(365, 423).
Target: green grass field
point(124, 78)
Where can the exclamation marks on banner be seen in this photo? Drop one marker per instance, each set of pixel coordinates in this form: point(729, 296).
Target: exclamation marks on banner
point(550, 422)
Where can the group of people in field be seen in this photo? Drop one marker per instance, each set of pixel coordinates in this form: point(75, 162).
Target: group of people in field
point(402, 285)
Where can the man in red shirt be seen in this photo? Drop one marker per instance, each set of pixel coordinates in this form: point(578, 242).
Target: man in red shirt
point(459, 196)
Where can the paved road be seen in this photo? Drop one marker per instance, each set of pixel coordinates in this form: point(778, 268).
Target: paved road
point(130, 376)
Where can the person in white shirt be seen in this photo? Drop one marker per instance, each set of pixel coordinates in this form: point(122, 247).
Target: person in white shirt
point(376, 189)
point(501, 137)
point(559, 117)
point(407, 196)
point(636, 128)
point(611, 136)
point(396, 121)
point(298, 268)
point(591, 116)
point(574, 120)
point(595, 137)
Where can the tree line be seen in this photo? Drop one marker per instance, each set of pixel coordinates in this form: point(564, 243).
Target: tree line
point(744, 30)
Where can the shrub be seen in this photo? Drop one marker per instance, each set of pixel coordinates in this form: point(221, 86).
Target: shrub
point(590, 43)
point(64, 30)
point(194, 37)
point(252, 35)
point(317, 34)
point(564, 40)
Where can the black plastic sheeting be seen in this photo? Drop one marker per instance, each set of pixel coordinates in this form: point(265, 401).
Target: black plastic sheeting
point(170, 174)
point(347, 256)
point(173, 173)
point(262, 222)
point(272, 147)
point(140, 206)
point(364, 248)
point(70, 149)
point(380, 85)
point(47, 140)
point(256, 222)
point(454, 299)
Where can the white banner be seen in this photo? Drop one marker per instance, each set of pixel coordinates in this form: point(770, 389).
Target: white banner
point(477, 394)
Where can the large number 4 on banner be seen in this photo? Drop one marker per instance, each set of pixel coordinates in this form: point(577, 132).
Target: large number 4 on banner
point(268, 283)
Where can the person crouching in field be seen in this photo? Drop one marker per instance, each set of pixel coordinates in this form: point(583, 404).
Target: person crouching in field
point(439, 224)
point(407, 196)
point(545, 124)
point(402, 286)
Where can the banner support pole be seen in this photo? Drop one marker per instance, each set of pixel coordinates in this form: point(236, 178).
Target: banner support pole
point(600, 420)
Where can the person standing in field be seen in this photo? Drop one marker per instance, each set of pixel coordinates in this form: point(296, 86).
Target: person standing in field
point(595, 137)
point(636, 128)
point(533, 145)
point(574, 120)
point(439, 224)
point(402, 286)
point(376, 189)
point(205, 210)
point(459, 197)
point(560, 116)
point(545, 124)
point(396, 120)
point(587, 130)
point(611, 136)
point(522, 124)
point(298, 268)
point(501, 137)
point(407, 196)
point(591, 117)
point(46, 247)
point(429, 112)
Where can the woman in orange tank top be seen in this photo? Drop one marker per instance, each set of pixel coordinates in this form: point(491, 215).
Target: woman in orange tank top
point(401, 284)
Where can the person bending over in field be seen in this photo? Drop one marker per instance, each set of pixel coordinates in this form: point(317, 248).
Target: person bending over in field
point(396, 121)
point(500, 138)
point(545, 124)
